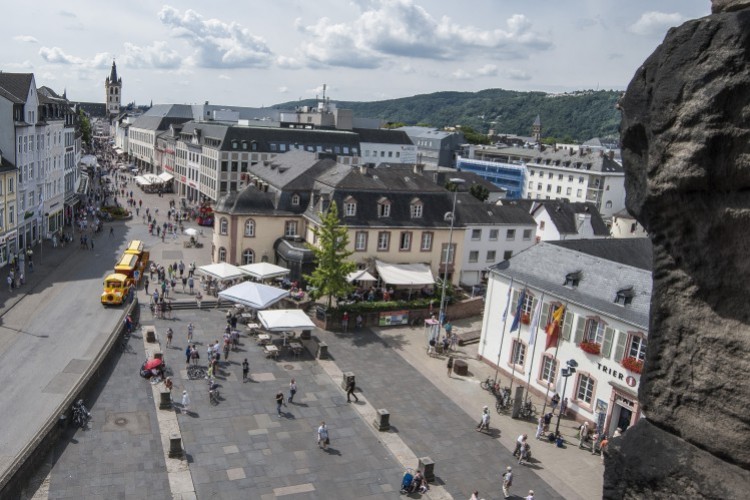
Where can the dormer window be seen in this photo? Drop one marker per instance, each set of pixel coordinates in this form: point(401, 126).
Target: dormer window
point(572, 279)
point(295, 200)
point(416, 208)
point(624, 296)
point(350, 207)
point(384, 207)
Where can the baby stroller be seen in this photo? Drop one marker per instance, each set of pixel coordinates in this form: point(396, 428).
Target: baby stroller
point(407, 483)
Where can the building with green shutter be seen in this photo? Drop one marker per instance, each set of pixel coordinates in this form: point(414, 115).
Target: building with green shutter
point(605, 287)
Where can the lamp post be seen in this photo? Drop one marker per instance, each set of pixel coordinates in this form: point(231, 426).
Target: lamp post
point(565, 372)
point(449, 254)
point(41, 239)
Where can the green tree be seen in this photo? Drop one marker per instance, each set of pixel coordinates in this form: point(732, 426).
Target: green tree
point(332, 264)
point(479, 192)
point(85, 125)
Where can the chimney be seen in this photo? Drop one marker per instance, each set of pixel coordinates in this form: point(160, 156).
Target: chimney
point(611, 154)
point(363, 169)
point(418, 168)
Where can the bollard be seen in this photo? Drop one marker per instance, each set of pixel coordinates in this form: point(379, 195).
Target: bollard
point(150, 332)
point(427, 466)
point(345, 381)
point(175, 446)
point(382, 420)
point(322, 351)
point(165, 400)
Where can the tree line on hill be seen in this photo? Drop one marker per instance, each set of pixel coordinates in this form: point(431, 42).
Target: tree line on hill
point(570, 117)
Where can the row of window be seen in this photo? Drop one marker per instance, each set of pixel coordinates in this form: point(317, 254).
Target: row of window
point(490, 257)
point(248, 256)
point(560, 177)
point(382, 153)
point(510, 234)
point(290, 228)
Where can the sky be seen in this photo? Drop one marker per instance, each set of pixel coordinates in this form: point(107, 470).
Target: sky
point(260, 53)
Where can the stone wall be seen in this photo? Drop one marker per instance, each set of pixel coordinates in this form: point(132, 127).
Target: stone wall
point(686, 152)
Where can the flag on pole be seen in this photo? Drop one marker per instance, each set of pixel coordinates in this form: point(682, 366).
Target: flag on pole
point(517, 319)
point(535, 322)
point(553, 327)
point(507, 302)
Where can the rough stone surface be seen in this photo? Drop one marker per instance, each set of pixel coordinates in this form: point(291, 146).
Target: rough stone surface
point(728, 5)
point(686, 152)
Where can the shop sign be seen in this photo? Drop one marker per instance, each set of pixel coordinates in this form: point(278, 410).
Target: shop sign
point(630, 380)
point(393, 318)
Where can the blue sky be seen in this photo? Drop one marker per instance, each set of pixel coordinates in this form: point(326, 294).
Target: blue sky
point(258, 53)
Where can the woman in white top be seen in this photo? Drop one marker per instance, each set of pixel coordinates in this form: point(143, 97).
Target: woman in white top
point(323, 440)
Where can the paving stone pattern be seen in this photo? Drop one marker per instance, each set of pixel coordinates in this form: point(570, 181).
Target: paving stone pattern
point(120, 455)
point(430, 423)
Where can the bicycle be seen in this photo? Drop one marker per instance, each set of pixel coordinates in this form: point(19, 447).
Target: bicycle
point(502, 401)
point(213, 393)
point(528, 410)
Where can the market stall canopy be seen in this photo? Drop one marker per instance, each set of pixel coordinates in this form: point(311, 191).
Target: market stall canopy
point(264, 270)
point(405, 274)
point(142, 181)
point(221, 271)
point(255, 295)
point(153, 179)
point(191, 231)
point(165, 177)
point(281, 320)
point(361, 275)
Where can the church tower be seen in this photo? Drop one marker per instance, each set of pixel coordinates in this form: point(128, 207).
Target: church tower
point(113, 90)
point(536, 129)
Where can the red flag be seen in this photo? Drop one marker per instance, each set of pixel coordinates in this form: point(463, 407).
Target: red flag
point(553, 327)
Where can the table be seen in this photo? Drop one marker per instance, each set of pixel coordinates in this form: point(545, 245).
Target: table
point(264, 338)
point(296, 348)
point(271, 351)
point(251, 327)
point(248, 317)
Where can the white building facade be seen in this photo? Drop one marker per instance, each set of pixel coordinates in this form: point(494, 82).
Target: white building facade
point(604, 327)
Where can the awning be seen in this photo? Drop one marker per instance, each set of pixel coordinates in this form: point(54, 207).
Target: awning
point(405, 274)
point(142, 181)
point(255, 295)
point(264, 270)
point(361, 275)
point(221, 271)
point(281, 320)
point(166, 177)
point(118, 150)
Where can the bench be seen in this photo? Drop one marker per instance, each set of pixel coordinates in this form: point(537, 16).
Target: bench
point(465, 338)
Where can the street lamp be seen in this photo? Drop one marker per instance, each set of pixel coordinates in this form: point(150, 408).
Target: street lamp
point(449, 254)
point(565, 372)
point(41, 240)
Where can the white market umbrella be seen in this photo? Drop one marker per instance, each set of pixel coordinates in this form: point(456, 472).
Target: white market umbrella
point(221, 271)
point(282, 320)
point(264, 270)
point(254, 295)
point(361, 275)
point(191, 231)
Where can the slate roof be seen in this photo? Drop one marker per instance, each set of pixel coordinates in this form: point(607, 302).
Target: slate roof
point(605, 266)
point(293, 170)
point(250, 201)
point(6, 165)
point(161, 116)
point(384, 179)
point(264, 136)
point(16, 86)
point(563, 215)
point(94, 109)
point(383, 136)
point(474, 213)
point(590, 161)
point(471, 178)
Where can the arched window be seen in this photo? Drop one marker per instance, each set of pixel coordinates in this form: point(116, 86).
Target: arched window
point(222, 254)
point(248, 257)
point(223, 226)
point(249, 228)
point(295, 199)
point(350, 207)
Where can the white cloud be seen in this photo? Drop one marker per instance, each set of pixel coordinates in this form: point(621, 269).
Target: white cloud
point(285, 62)
point(217, 44)
point(48, 75)
point(157, 55)
point(25, 65)
point(487, 70)
point(25, 38)
point(224, 77)
point(67, 13)
point(516, 74)
point(402, 28)
point(283, 89)
point(655, 23)
point(461, 74)
point(56, 55)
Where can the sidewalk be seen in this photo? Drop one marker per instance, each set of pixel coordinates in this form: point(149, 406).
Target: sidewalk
point(571, 472)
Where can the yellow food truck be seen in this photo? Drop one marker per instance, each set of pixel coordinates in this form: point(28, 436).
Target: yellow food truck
point(116, 288)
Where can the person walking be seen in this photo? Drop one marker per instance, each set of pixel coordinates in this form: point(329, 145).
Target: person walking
point(145, 284)
point(520, 442)
point(358, 321)
point(345, 321)
point(540, 427)
point(554, 402)
point(350, 386)
point(191, 284)
point(186, 402)
point(279, 402)
point(530, 496)
point(292, 390)
point(190, 332)
point(188, 352)
point(583, 434)
point(484, 422)
point(245, 370)
point(170, 334)
point(507, 481)
point(450, 366)
point(323, 439)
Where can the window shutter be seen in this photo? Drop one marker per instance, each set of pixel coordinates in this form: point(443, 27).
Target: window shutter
point(578, 336)
point(567, 325)
point(514, 302)
point(622, 339)
point(545, 315)
point(607, 342)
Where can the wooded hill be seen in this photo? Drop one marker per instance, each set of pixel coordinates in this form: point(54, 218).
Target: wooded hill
point(571, 117)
